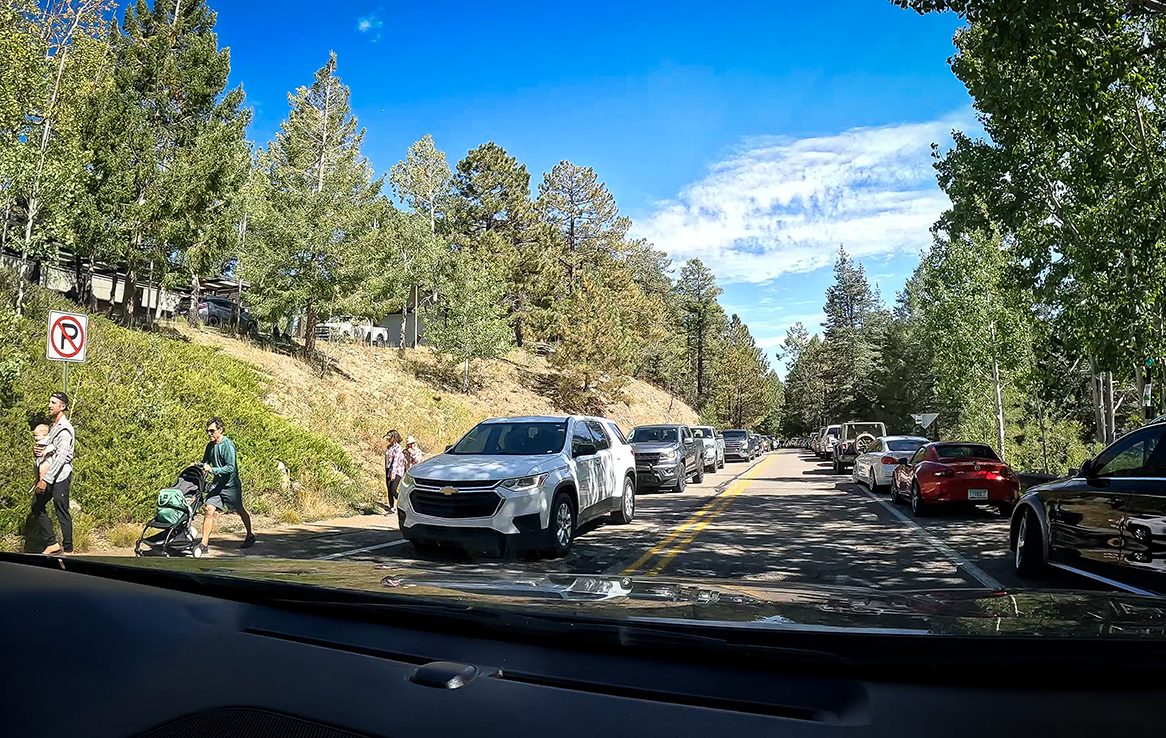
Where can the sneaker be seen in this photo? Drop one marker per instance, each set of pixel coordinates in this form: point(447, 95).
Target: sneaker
point(248, 542)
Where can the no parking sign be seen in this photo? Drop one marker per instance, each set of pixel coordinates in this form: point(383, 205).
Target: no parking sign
point(68, 336)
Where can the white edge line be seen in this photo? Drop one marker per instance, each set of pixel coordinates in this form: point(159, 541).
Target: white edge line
point(1104, 580)
point(366, 549)
point(952, 555)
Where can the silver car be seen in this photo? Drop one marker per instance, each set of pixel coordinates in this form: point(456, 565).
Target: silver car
point(875, 467)
point(520, 482)
point(714, 446)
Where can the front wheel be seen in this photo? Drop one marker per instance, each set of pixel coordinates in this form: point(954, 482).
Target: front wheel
point(627, 509)
point(1029, 562)
point(721, 463)
point(560, 533)
point(895, 499)
point(682, 480)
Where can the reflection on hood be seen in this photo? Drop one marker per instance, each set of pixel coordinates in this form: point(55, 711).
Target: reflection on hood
point(742, 603)
point(456, 467)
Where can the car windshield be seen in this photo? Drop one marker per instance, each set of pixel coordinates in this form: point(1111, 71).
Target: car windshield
point(901, 444)
point(653, 434)
point(582, 242)
point(964, 451)
point(520, 438)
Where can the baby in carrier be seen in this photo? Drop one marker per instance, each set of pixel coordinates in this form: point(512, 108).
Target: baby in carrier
point(44, 452)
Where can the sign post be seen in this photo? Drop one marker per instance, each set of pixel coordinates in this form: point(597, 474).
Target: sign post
point(68, 340)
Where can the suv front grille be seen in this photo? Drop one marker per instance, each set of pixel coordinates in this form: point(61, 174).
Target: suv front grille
point(647, 459)
point(459, 484)
point(457, 505)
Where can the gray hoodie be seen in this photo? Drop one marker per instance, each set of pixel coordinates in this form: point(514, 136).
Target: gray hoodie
point(62, 438)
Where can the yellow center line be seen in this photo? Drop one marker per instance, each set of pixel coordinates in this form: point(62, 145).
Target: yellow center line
point(700, 519)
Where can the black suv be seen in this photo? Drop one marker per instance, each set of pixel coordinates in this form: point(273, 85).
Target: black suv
point(216, 311)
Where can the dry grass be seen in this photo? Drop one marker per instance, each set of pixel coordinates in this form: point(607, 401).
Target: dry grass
point(124, 535)
point(414, 394)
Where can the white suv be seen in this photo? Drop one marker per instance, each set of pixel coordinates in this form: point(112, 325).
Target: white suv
point(520, 482)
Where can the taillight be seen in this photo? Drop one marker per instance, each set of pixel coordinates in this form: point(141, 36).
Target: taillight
point(890, 460)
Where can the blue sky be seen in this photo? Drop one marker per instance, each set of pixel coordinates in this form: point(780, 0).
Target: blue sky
point(757, 137)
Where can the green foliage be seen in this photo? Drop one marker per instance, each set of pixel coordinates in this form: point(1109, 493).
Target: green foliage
point(853, 334)
point(469, 323)
point(592, 360)
point(140, 403)
point(744, 394)
point(320, 191)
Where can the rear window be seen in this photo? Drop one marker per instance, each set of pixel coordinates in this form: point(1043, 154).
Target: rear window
point(735, 434)
point(703, 432)
point(965, 451)
point(857, 429)
point(833, 432)
point(904, 445)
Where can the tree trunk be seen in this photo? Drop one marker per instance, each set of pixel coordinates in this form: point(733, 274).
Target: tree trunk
point(87, 294)
point(466, 379)
point(113, 292)
point(1110, 411)
point(310, 330)
point(1140, 377)
point(999, 408)
point(415, 314)
point(21, 272)
point(131, 296)
point(195, 297)
point(404, 322)
point(1098, 404)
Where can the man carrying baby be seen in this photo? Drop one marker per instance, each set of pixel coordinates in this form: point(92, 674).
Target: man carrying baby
point(55, 477)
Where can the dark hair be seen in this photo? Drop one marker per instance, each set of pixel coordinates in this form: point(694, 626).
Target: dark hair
point(216, 422)
point(393, 436)
point(62, 397)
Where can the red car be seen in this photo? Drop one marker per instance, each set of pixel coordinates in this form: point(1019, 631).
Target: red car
point(969, 473)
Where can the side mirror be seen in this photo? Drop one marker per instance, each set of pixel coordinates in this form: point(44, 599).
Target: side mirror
point(584, 449)
point(1086, 468)
point(902, 462)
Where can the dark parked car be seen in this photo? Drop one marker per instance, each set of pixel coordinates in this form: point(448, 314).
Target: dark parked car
point(216, 311)
point(755, 445)
point(950, 473)
point(666, 456)
point(737, 446)
point(1107, 520)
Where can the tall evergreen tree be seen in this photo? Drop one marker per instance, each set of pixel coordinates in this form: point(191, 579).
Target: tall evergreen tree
point(854, 319)
point(320, 190)
point(589, 231)
point(703, 319)
point(469, 323)
point(742, 397)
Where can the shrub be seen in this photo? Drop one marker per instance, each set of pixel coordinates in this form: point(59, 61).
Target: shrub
point(140, 404)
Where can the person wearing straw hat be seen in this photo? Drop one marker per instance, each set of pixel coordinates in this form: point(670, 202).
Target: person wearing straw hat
point(413, 454)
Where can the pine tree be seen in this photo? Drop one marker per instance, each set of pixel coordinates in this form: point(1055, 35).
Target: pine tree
point(589, 231)
point(852, 335)
point(491, 216)
point(166, 137)
point(592, 359)
point(703, 319)
point(742, 397)
point(469, 323)
point(320, 189)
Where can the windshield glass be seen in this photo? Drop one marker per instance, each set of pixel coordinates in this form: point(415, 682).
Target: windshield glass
point(904, 445)
point(964, 451)
point(513, 439)
point(648, 435)
point(766, 229)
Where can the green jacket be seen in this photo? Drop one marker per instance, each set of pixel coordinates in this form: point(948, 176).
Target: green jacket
point(221, 457)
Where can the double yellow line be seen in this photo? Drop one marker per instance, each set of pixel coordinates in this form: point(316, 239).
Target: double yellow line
point(685, 533)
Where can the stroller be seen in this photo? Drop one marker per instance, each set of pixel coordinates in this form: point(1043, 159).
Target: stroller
point(174, 519)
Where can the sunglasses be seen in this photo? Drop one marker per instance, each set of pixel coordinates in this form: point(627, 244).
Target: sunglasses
point(211, 430)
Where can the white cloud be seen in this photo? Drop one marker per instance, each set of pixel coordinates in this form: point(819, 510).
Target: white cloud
point(371, 25)
point(779, 206)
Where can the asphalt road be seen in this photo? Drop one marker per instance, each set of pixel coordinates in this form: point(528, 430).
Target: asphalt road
point(785, 517)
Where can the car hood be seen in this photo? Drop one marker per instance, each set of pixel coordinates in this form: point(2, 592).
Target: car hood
point(459, 467)
point(738, 603)
point(655, 446)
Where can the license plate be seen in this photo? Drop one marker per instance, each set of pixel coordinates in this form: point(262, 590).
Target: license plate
point(977, 494)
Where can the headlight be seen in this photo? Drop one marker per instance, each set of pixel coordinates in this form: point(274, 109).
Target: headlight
point(406, 481)
point(532, 481)
point(668, 455)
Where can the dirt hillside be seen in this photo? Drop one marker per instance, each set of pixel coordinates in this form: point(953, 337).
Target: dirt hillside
point(376, 390)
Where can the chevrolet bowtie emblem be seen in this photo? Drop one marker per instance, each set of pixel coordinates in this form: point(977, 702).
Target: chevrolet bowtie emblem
point(447, 491)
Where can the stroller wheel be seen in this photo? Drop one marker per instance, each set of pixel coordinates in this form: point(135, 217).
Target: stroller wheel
point(196, 552)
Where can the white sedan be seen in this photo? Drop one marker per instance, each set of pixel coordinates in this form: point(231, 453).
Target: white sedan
point(875, 467)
